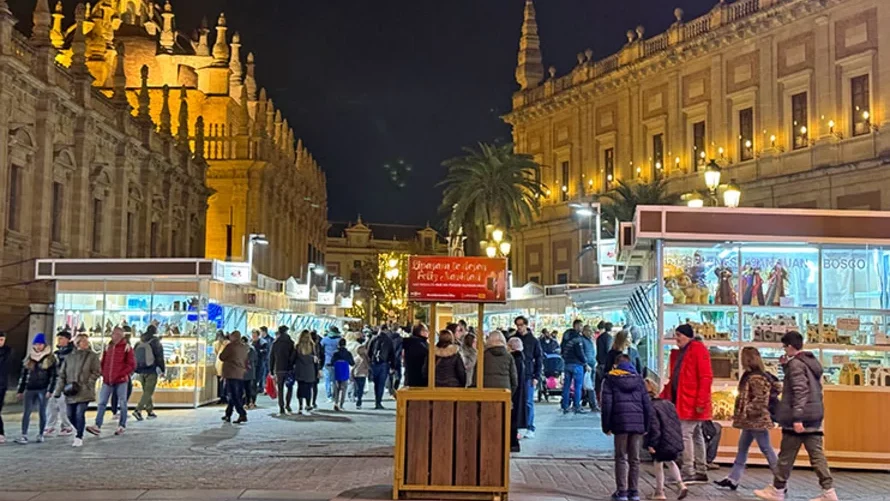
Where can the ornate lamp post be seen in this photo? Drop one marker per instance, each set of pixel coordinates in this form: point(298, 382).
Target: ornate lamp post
point(497, 244)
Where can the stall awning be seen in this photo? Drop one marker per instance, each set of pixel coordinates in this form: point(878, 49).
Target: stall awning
point(608, 296)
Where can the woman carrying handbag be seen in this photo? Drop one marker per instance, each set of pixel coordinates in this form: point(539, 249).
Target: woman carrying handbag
point(77, 381)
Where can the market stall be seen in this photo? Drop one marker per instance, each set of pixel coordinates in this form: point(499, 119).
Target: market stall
point(744, 277)
point(542, 311)
point(188, 299)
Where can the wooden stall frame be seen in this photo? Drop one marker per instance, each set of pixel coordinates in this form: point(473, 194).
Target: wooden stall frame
point(457, 395)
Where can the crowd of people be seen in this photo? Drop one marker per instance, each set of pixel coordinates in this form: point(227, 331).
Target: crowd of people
point(600, 369)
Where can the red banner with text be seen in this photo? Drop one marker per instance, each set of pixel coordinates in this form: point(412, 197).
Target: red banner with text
point(457, 279)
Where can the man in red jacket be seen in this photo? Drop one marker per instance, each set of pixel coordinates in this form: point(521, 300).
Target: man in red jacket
point(689, 389)
point(118, 364)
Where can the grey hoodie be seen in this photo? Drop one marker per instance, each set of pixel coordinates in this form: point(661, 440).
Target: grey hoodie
point(802, 393)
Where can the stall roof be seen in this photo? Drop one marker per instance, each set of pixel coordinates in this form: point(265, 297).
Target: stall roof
point(607, 296)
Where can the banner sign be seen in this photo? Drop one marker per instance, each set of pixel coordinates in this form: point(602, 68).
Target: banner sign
point(457, 279)
point(231, 272)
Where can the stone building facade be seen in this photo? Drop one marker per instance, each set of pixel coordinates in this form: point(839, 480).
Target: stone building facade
point(82, 175)
point(263, 180)
point(790, 97)
point(350, 245)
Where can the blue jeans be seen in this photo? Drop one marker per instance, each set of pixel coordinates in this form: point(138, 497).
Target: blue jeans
point(531, 404)
point(741, 457)
point(329, 381)
point(105, 393)
point(77, 414)
point(379, 373)
point(573, 373)
point(33, 397)
point(359, 390)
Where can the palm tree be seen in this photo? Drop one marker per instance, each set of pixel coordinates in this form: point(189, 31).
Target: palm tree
point(491, 185)
point(621, 202)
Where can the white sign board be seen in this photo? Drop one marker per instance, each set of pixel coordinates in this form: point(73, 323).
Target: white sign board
point(296, 290)
point(607, 252)
point(327, 298)
point(231, 273)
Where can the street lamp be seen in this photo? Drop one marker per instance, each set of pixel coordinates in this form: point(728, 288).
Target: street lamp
point(497, 245)
point(712, 176)
point(695, 201)
point(732, 194)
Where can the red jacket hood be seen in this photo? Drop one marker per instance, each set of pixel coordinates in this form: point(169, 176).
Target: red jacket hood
point(118, 362)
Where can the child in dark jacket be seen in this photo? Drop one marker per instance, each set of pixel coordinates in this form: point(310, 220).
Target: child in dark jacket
point(341, 361)
point(664, 441)
point(626, 415)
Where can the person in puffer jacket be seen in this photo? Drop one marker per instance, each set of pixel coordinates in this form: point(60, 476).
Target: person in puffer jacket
point(664, 440)
point(37, 383)
point(118, 363)
point(341, 362)
point(450, 369)
point(626, 414)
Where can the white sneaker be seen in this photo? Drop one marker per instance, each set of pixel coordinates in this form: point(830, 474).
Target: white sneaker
point(78, 442)
point(40, 439)
point(308, 412)
point(770, 493)
point(829, 495)
point(22, 440)
point(529, 434)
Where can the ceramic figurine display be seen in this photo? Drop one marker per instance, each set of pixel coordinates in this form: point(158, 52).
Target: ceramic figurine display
point(878, 376)
point(725, 289)
point(776, 288)
point(752, 287)
point(768, 329)
point(851, 375)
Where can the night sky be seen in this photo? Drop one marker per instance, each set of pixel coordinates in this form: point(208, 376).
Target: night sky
point(369, 82)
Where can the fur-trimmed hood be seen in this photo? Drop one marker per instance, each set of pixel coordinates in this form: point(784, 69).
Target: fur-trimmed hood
point(448, 351)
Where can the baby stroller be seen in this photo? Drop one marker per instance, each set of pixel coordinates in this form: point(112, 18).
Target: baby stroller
point(554, 367)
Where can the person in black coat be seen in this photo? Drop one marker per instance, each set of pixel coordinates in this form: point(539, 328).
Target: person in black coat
point(383, 363)
point(450, 369)
point(549, 344)
point(5, 355)
point(282, 365)
point(395, 379)
point(416, 349)
point(664, 440)
point(319, 366)
point(534, 364)
point(575, 364)
point(603, 345)
point(518, 414)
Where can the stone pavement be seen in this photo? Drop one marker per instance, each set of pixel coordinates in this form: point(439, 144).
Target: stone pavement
point(190, 454)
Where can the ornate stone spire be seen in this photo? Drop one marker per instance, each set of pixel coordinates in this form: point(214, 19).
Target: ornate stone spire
point(244, 118)
point(276, 128)
point(166, 126)
point(55, 34)
point(120, 77)
point(221, 47)
point(203, 48)
point(235, 69)
point(259, 116)
point(270, 119)
point(144, 110)
point(250, 79)
point(530, 67)
point(42, 23)
point(79, 41)
point(182, 133)
point(168, 37)
point(199, 137)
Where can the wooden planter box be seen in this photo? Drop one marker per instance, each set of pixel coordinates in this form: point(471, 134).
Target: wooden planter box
point(452, 444)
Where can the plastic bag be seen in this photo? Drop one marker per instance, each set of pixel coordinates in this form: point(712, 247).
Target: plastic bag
point(271, 387)
point(588, 382)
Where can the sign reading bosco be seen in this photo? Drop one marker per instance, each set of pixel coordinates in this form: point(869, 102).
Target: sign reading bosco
point(457, 279)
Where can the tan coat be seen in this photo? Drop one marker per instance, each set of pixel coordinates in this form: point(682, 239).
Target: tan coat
point(752, 404)
point(84, 368)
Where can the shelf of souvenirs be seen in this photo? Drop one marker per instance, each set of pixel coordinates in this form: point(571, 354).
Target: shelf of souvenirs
point(746, 308)
point(723, 343)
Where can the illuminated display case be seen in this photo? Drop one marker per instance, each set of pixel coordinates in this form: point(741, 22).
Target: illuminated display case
point(745, 277)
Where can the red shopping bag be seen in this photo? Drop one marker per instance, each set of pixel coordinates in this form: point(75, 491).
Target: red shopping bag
point(271, 388)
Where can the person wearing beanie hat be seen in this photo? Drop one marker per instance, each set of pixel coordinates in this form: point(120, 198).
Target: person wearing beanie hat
point(58, 409)
point(5, 355)
point(689, 388)
point(37, 382)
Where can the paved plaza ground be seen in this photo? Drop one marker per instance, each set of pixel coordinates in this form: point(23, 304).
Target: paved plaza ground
point(190, 454)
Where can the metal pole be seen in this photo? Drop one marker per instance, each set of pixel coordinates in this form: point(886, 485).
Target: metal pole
point(480, 346)
point(431, 356)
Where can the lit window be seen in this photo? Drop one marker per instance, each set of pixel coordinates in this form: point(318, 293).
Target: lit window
point(746, 134)
point(859, 99)
point(698, 145)
point(799, 121)
point(609, 167)
point(14, 196)
point(657, 155)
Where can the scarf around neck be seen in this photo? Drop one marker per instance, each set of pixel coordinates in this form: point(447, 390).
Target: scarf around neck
point(37, 356)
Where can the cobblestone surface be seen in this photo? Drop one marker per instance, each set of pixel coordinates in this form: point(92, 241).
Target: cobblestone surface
point(327, 456)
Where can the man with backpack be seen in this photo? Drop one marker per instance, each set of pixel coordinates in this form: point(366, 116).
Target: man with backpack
point(383, 362)
point(149, 366)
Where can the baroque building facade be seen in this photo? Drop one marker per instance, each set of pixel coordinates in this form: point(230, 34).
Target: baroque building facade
point(82, 175)
point(263, 180)
point(790, 97)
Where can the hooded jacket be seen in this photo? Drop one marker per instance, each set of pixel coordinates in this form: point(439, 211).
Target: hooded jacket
point(341, 361)
point(362, 365)
point(118, 362)
point(81, 367)
point(149, 341)
point(665, 434)
point(450, 369)
point(572, 349)
point(330, 343)
point(417, 351)
point(625, 403)
point(39, 375)
point(802, 393)
point(499, 369)
point(694, 382)
point(282, 355)
point(549, 345)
